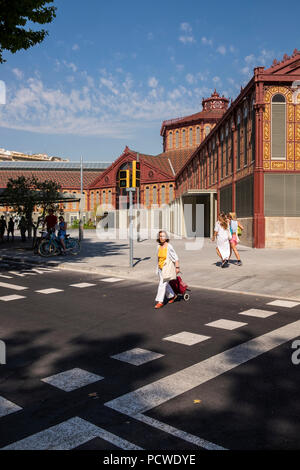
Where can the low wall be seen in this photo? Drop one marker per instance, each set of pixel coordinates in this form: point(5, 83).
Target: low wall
point(247, 236)
point(282, 232)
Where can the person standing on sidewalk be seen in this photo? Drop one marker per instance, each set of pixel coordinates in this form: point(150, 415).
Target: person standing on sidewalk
point(11, 229)
point(50, 221)
point(22, 228)
point(3, 227)
point(222, 233)
point(165, 251)
point(233, 225)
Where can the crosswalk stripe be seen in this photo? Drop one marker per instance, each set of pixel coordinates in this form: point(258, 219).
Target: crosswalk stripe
point(6, 277)
point(17, 273)
point(160, 391)
point(12, 286)
point(7, 298)
point(7, 407)
point(49, 291)
point(68, 435)
point(111, 279)
point(81, 285)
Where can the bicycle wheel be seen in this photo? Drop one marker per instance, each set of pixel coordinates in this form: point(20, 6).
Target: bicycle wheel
point(73, 246)
point(47, 248)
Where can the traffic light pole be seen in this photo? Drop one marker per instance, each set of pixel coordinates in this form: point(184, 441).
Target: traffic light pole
point(131, 191)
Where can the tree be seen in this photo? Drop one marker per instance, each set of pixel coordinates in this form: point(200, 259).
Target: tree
point(14, 15)
point(25, 194)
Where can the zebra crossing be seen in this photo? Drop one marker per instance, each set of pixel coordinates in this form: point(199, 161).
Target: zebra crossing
point(76, 431)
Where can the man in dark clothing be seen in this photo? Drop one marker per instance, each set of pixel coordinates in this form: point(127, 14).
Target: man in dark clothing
point(11, 229)
point(51, 221)
point(3, 226)
point(22, 228)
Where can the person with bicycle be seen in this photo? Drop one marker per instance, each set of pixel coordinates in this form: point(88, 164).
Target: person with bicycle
point(62, 232)
point(50, 221)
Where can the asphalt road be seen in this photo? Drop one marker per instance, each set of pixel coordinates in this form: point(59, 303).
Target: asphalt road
point(231, 389)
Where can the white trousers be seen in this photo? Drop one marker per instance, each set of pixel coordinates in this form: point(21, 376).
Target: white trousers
point(164, 289)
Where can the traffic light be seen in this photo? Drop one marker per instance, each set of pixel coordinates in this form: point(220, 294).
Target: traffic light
point(135, 174)
point(124, 179)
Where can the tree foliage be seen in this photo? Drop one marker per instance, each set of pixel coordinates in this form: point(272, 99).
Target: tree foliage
point(15, 33)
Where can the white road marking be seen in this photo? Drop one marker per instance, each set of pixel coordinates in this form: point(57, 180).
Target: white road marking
point(189, 339)
point(12, 286)
point(49, 291)
point(137, 356)
point(7, 298)
point(111, 279)
point(7, 407)
point(6, 277)
point(284, 303)
point(162, 390)
point(255, 312)
point(72, 379)
point(16, 273)
point(82, 285)
point(226, 324)
point(178, 433)
point(68, 435)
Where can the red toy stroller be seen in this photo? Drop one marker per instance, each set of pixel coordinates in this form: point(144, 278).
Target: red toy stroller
point(180, 288)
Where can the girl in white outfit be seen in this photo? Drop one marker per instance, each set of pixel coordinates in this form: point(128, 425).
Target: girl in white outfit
point(164, 251)
point(222, 233)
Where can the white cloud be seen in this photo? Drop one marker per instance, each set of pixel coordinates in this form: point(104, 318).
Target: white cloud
point(190, 78)
point(187, 39)
point(222, 50)
point(206, 41)
point(18, 73)
point(70, 65)
point(150, 36)
point(152, 82)
point(186, 27)
point(75, 47)
point(245, 70)
point(180, 67)
point(216, 79)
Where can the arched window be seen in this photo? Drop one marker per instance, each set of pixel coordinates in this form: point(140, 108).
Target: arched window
point(183, 138)
point(222, 155)
point(92, 201)
point(171, 193)
point(74, 207)
point(163, 195)
point(97, 198)
point(278, 127)
point(198, 135)
point(147, 196)
point(170, 140)
point(177, 139)
point(252, 130)
point(109, 197)
point(191, 137)
point(154, 195)
point(238, 121)
point(245, 135)
point(103, 197)
point(226, 151)
point(207, 130)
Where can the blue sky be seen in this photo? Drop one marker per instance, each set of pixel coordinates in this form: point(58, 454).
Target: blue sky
point(109, 73)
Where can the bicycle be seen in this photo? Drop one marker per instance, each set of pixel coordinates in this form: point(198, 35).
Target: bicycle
point(52, 246)
point(43, 235)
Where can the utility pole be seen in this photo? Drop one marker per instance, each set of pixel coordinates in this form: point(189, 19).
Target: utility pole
point(80, 204)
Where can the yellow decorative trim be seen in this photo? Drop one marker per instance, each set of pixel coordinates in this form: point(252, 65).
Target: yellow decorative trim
point(291, 112)
point(278, 165)
point(290, 131)
point(297, 166)
point(298, 112)
point(297, 136)
point(267, 97)
point(290, 166)
point(267, 112)
point(297, 156)
point(273, 89)
point(290, 151)
point(266, 165)
point(266, 131)
point(266, 150)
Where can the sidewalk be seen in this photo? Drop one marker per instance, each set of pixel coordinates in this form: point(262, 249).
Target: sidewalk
point(274, 273)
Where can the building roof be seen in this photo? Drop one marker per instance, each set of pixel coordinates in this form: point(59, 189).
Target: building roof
point(177, 158)
point(67, 179)
point(41, 165)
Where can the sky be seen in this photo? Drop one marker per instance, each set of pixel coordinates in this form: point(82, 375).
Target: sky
point(110, 72)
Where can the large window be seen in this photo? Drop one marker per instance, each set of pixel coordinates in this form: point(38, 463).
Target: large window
point(282, 195)
point(171, 193)
point(252, 131)
point(154, 194)
point(278, 124)
point(147, 196)
point(198, 135)
point(226, 152)
point(207, 130)
point(163, 195)
point(191, 137)
point(245, 136)
point(177, 139)
point(183, 138)
point(238, 157)
point(222, 156)
point(170, 140)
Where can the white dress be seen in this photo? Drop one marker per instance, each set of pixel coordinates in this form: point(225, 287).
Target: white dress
point(222, 241)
